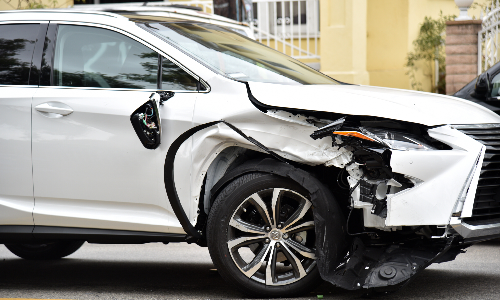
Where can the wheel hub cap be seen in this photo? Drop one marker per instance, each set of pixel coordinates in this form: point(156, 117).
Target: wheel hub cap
point(275, 235)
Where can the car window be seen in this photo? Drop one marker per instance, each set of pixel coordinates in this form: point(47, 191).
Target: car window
point(17, 42)
point(174, 78)
point(495, 85)
point(231, 54)
point(96, 57)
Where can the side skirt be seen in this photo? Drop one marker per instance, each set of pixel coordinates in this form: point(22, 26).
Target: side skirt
point(27, 234)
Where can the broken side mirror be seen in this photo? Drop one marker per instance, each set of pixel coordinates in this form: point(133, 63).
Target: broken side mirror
point(147, 122)
point(482, 90)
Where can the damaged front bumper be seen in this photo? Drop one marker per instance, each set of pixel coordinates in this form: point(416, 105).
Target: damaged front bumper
point(455, 191)
point(464, 191)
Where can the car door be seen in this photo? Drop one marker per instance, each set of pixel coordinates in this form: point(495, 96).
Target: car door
point(90, 169)
point(17, 46)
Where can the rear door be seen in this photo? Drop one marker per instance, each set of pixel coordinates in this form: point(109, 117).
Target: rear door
point(90, 169)
point(18, 42)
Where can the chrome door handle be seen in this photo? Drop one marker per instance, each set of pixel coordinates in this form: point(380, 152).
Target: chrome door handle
point(54, 109)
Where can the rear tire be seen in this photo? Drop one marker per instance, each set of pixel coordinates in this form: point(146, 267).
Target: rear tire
point(261, 236)
point(45, 251)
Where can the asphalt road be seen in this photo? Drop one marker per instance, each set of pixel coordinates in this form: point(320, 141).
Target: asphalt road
point(181, 271)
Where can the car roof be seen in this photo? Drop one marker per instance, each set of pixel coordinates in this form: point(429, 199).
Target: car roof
point(106, 14)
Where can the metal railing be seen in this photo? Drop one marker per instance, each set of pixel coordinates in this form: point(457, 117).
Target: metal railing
point(487, 42)
point(290, 26)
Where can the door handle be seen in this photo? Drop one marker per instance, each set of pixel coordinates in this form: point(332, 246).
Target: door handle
point(54, 109)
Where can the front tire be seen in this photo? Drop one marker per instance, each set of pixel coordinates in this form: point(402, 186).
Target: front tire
point(261, 236)
point(45, 251)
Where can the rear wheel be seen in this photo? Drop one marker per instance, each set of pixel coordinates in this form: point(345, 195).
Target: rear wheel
point(45, 251)
point(261, 236)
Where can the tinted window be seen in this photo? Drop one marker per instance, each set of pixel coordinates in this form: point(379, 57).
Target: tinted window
point(16, 50)
point(175, 78)
point(495, 86)
point(95, 57)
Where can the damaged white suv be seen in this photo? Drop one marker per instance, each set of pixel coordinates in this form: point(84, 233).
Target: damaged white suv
point(137, 127)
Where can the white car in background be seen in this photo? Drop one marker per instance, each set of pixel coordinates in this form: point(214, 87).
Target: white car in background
point(171, 10)
point(137, 127)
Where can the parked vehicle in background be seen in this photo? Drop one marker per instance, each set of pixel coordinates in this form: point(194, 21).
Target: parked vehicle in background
point(184, 12)
point(137, 127)
point(484, 90)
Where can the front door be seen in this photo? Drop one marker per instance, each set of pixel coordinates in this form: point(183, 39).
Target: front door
point(90, 169)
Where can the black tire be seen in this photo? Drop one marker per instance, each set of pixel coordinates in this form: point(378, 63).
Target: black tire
point(235, 203)
point(45, 251)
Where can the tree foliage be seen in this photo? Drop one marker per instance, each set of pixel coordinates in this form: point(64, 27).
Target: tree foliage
point(429, 46)
point(30, 4)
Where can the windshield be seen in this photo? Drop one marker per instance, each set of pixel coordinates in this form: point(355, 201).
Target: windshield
point(234, 55)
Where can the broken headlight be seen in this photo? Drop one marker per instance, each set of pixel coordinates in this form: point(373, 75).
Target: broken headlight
point(390, 139)
point(396, 140)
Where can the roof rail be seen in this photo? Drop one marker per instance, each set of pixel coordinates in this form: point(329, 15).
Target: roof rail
point(90, 12)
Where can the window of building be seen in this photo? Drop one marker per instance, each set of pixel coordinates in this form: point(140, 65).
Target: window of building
point(286, 18)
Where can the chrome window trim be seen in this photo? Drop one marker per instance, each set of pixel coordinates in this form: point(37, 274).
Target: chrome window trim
point(17, 86)
point(111, 89)
point(23, 22)
point(141, 41)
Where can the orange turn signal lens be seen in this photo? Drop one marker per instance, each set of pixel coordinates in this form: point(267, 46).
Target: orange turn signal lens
point(354, 134)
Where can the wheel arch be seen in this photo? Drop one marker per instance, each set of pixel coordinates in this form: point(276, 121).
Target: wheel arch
point(332, 241)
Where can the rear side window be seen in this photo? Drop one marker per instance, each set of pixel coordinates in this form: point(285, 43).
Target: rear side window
point(96, 57)
point(17, 42)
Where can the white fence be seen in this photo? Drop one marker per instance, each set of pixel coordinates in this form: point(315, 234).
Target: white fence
point(290, 26)
point(487, 42)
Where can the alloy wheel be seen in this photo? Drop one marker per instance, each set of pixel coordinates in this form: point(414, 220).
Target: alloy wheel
point(271, 237)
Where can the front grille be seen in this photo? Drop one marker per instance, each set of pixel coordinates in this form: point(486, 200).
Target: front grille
point(487, 200)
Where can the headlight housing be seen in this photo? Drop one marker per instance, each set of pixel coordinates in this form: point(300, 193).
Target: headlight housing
point(390, 139)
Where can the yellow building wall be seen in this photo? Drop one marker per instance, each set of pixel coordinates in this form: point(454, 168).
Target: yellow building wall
point(367, 41)
point(392, 26)
point(343, 40)
point(23, 4)
point(387, 42)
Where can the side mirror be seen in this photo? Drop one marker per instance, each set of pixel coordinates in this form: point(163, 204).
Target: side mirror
point(147, 122)
point(482, 90)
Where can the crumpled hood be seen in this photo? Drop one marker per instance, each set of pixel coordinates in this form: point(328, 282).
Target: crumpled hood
point(410, 106)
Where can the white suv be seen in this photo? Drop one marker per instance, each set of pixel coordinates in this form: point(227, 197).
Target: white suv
point(133, 128)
